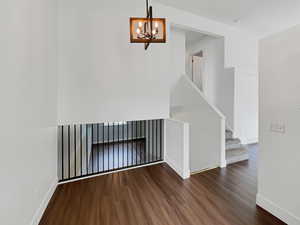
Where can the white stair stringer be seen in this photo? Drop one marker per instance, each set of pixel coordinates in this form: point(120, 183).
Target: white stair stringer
point(207, 125)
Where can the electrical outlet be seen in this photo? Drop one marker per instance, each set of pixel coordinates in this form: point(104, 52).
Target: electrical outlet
point(277, 128)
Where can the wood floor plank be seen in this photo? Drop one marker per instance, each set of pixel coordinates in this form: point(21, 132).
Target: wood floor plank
point(156, 195)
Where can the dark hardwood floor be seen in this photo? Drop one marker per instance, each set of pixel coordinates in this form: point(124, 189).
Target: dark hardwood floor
point(155, 195)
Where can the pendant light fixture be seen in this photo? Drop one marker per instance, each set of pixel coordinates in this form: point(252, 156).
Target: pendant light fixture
point(147, 29)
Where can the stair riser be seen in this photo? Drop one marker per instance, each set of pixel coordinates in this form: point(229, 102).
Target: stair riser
point(235, 159)
point(228, 135)
point(233, 146)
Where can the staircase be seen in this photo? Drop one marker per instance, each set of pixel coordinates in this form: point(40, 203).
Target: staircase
point(190, 105)
point(235, 151)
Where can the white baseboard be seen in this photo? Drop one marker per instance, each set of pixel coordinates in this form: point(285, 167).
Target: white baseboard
point(277, 211)
point(179, 171)
point(223, 164)
point(204, 170)
point(39, 212)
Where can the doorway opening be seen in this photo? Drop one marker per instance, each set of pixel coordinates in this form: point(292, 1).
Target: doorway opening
point(198, 69)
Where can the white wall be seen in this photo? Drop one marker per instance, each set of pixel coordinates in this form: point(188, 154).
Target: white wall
point(177, 147)
point(177, 54)
point(127, 131)
point(226, 95)
point(93, 89)
point(213, 63)
point(28, 97)
point(102, 76)
point(246, 106)
point(279, 99)
point(244, 61)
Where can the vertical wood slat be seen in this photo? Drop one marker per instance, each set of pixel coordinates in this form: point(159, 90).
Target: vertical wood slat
point(127, 147)
point(108, 147)
point(161, 138)
point(86, 148)
point(75, 169)
point(98, 160)
point(141, 136)
point(152, 148)
point(62, 152)
point(131, 142)
point(103, 147)
point(80, 149)
point(149, 147)
point(123, 136)
point(113, 143)
point(92, 152)
point(118, 145)
point(145, 143)
point(136, 143)
point(69, 166)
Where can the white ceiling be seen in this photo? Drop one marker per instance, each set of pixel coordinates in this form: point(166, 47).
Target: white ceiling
point(260, 16)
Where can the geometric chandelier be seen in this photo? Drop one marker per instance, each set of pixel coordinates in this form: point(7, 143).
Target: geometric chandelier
point(147, 29)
